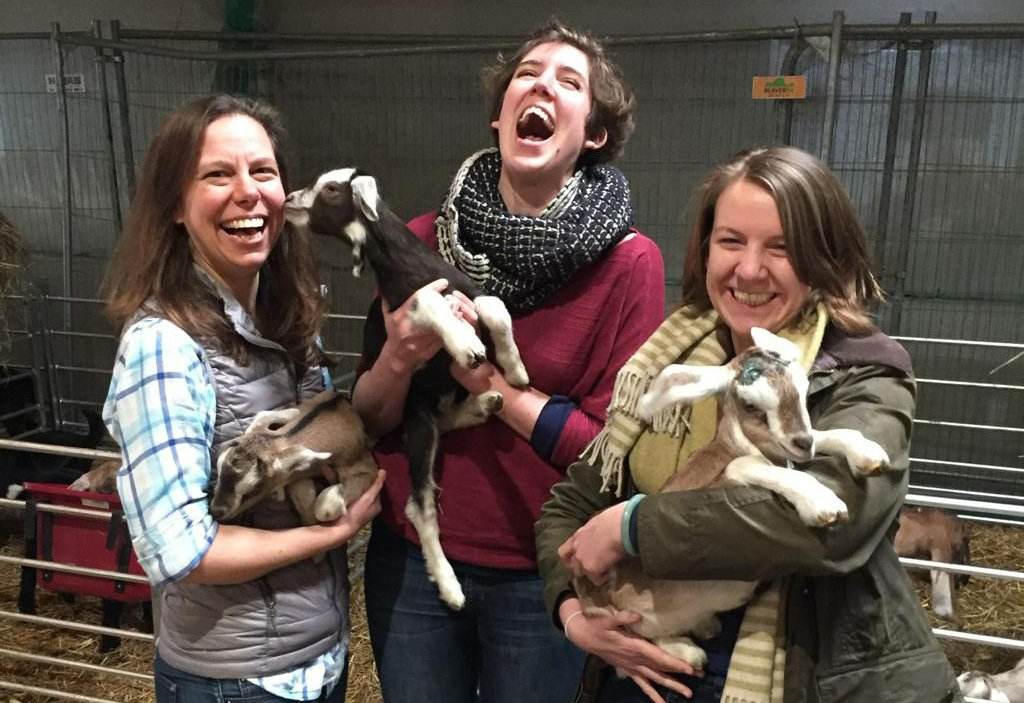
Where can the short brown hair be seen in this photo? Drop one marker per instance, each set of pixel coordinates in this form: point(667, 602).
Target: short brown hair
point(612, 100)
point(153, 260)
point(825, 241)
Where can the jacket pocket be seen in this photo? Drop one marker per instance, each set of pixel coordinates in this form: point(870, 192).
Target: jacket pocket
point(923, 675)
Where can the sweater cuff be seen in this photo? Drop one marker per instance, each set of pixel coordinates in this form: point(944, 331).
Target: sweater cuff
point(630, 531)
point(548, 428)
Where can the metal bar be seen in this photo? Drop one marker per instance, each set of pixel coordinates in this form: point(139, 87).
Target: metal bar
point(52, 692)
point(796, 49)
point(859, 32)
point(965, 464)
point(924, 564)
point(73, 299)
point(173, 35)
point(889, 160)
point(88, 513)
point(108, 126)
point(971, 384)
point(71, 569)
point(351, 355)
point(122, 108)
point(84, 335)
point(48, 361)
point(82, 369)
point(978, 506)
point(969, 426)
point(960, 342)
point(971, 495)
point(57, 450)
point(341, 316)
point(835, 49)
point(56, 661)
point(910, 192)
point(65, 136)
point(77, 626)
point(1004, 642)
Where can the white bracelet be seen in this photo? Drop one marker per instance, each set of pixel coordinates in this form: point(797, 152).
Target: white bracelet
point(565, 625)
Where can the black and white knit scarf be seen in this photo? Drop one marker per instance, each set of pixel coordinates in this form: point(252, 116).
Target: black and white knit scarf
point(523, 259)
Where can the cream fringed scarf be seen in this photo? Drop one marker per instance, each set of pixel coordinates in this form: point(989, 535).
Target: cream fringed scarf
point(758, 662)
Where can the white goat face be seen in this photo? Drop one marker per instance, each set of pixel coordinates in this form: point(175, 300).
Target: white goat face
point(770, 403)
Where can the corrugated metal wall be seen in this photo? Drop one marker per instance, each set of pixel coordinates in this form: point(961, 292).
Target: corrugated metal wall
point(953, 249)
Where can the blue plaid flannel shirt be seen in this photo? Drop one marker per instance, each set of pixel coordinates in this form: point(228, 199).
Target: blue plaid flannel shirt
point(160, 409)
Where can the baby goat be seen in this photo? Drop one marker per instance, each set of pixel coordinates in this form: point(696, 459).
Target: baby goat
point(1007, 687)
point(285, 450)
point(930, 533)
point(763, 421)
point(345, 204)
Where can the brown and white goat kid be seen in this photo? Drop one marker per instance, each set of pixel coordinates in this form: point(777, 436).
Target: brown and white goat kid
point(930, 533)
point(346, 204)
point(763, 421)
point(285, 450)
point(1007, 687)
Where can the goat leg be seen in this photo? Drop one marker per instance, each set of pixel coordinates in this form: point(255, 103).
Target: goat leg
point(431, 311)
point(816, 504)
point(421, 509)
point(496, 318)
point(473, 411)
point(864, 456)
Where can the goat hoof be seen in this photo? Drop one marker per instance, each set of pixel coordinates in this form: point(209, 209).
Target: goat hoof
point(492, 402)
point(824, 510)
point(455, 601)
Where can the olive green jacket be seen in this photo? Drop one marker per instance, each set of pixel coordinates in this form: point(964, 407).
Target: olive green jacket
point(855, 629)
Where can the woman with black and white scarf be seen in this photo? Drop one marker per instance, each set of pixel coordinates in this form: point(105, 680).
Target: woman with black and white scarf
point(542, 222)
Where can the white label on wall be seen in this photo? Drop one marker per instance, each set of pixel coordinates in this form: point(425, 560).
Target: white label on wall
point(73, 82)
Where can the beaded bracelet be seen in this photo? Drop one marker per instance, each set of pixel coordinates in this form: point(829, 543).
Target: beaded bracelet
point(627, 516)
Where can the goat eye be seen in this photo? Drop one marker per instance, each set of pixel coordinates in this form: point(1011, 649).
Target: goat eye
point(331, 188)
point(750, 408)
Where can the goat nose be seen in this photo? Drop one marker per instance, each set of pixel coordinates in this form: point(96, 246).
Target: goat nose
point(803, 442)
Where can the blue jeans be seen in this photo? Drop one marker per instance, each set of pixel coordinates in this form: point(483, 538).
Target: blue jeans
point(176, 686)
point(500, 648)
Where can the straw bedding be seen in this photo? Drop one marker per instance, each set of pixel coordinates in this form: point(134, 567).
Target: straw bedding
point(986, 606)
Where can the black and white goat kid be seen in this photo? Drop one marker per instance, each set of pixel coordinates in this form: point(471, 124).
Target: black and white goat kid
point(346, 204)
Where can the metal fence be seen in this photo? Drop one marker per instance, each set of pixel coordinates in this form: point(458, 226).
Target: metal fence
point(921, 123)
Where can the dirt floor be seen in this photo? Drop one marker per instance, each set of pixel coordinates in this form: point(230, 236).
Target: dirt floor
point(986, 607)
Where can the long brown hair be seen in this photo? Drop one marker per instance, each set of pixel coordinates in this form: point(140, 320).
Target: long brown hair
point(612, 100)
point(152, 265)
point(825, 241)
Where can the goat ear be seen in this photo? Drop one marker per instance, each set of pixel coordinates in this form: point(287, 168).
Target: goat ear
point(768, 341)
point(684, 384)
point(364, 191)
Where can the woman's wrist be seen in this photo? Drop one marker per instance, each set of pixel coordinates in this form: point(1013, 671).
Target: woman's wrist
point(627, 530)
point(392, 360)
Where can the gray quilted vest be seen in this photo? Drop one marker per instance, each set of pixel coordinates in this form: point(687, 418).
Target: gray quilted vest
point(290, 616)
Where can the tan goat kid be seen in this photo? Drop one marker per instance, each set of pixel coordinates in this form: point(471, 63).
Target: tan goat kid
point(285, 450)
point(763, 421)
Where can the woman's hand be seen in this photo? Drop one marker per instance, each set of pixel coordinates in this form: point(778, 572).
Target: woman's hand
point(363, 509)
point(478, 380)
point(597, 546)
point(607, 636)
point(409, 345)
